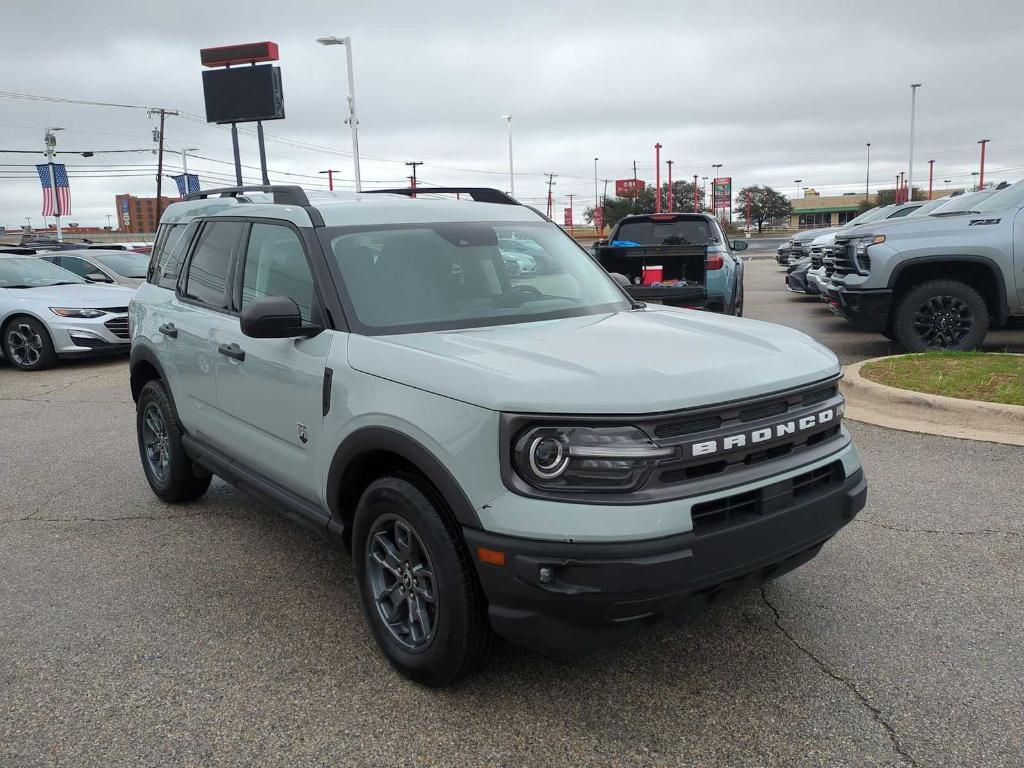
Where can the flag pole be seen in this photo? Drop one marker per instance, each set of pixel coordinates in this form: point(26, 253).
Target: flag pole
point(51, 141)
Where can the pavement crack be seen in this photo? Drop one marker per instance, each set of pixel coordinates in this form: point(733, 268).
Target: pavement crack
point(936, 531)
point(876, 712)
point(32, 518)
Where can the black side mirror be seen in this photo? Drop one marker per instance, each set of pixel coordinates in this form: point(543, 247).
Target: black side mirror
point(97, 277)
point(274, 317)
point(621, 279)
point(740, 245)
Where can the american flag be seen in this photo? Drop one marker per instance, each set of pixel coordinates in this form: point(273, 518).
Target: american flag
point(187, 188)
point(60, 176)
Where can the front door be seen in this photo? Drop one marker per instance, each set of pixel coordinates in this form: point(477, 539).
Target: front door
point(271, 390)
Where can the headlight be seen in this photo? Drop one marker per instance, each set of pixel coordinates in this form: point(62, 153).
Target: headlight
point(586, 458)
point(72, 312)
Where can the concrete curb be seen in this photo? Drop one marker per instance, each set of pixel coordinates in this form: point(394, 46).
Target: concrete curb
point(910, 411)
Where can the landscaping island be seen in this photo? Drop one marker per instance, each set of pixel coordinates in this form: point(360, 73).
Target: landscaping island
point(985, 376)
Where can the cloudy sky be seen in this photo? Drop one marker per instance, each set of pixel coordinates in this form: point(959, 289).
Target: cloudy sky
point(774, 91)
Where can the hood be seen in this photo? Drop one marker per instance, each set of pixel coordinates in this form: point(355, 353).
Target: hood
point(810, 234)
point(76, 295)
point(910, 226)
point(824, 239)
point(641, 361)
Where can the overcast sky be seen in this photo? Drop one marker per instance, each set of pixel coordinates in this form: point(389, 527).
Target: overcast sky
point(773, 91)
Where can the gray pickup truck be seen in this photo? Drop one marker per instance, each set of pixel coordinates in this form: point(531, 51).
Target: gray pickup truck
point(934, 282)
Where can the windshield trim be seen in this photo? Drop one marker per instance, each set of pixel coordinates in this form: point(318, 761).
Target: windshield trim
point(355, 325)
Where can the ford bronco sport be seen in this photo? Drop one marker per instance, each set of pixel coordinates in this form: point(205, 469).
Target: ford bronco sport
point(526, 454)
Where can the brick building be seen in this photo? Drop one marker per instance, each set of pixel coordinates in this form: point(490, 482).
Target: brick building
point(138, 214)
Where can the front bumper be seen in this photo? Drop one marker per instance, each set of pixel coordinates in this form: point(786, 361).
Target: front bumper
point(568, 597)
point(74, 336)
point(869, 309)
point(796, 281)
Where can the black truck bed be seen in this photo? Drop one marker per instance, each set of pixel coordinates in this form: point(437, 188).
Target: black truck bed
point(678, 263)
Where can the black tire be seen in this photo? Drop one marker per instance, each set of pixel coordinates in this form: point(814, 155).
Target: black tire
point(177, 479)
point(461, 637)
point(27, 344)
point(941, 315)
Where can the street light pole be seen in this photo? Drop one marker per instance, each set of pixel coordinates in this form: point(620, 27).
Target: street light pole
point(867, 178)
point(51, 142)
point(657, 177)
point(931, 177)
point(669, 163)
point(597, 205)
point(910, 166)
point(797, 182)
point(511, 172)
point(352, 120)
point(184, 166)
point(981, 178)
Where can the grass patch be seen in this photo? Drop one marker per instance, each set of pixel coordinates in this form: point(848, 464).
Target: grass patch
point(992, 378)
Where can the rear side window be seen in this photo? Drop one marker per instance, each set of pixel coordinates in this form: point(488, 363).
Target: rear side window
point(73, 264)
point(275, 265)
point(165, 261)
point(207, 276)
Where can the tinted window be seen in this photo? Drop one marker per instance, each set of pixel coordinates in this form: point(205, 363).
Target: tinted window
point(80, 267)
point(275, 265)
point(163, 272)
point(208, 271)
point(695, 231)
point(127, 264)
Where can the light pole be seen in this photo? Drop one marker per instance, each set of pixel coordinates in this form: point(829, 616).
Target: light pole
point(946, 182)
point(797, 182)
point(867, 178)
point(704, 196)
point(352, 120)
point(981, 179)
point(597, 206)
point(511, 172)
point(51, 142)
point(29, 220)
point(910, 167)
point(184, 166)
point(330, 177)
point(109, 225)
point(974, 179)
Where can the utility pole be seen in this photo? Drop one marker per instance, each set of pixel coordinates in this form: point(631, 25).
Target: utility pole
point(669, 163)
point(413, 164)
point(50, 142)
point(981, 178)
point(913, 110)
point(160, 156)
point(931, 177)
point(867, 179)
point(657, 177)
point(551, 202)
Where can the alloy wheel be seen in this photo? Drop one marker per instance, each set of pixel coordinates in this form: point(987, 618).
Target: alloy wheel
point(24, 345)
point(401, 581)
point(155, 441)
point(943, 321)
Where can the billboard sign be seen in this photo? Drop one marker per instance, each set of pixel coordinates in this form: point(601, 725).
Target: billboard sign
point(629, 187)
point(599, 219)
point(722, 193)
point(568, 217)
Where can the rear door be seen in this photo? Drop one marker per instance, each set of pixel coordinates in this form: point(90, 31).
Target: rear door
point(271, 390)
point(202, 306)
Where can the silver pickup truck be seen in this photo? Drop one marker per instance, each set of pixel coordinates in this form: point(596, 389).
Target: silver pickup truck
point(934, 282)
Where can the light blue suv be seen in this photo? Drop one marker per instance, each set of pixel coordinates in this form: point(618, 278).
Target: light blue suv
point(529, 454)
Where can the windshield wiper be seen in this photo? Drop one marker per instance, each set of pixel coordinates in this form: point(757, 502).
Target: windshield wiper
point(18, 286)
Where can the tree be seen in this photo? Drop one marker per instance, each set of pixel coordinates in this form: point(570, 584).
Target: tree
point(766, 205)
point(617, 207)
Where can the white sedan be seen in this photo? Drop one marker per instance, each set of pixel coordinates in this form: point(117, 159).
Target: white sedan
point(47, 312)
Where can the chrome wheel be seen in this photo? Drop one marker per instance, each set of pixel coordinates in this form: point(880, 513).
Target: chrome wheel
point(155, 442)
point(943, 321)
point(401, 581)
point(24, 345)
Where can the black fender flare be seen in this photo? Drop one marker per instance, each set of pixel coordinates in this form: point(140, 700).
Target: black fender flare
point(370, 439)
point(1002, 308)
point(144, 353)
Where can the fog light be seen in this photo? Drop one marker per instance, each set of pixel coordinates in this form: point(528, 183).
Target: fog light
point(546, 576)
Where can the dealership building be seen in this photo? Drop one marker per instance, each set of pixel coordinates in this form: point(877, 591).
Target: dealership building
point(813, 210)
point(138, 214)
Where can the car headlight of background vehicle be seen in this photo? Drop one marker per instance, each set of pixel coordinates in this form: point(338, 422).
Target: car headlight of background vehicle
point(863, 259)
point(576, 458)
point(77, 312)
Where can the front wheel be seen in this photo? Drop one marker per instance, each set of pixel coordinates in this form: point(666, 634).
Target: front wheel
point(417, 586)
point(941, 315)
point(27, 344)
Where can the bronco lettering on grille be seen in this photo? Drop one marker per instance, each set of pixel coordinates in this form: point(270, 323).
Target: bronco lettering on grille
point(751, 437)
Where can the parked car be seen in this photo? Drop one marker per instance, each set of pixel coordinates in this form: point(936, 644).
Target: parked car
point(47, 312)
point(938, 281)
point(138, 247)
point(694, 263)
point(126, 268)
point(543, 458)
point(796, 275)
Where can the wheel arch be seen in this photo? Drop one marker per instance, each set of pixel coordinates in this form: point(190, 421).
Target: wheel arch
point(980, 272)
point(371, 452)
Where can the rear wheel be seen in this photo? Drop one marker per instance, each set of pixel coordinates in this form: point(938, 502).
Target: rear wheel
point(171, 474)
point(418, 589)
point(27, 344)
point(941, 315)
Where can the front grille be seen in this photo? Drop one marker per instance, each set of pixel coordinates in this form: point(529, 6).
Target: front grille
point(115, 310)
point(843, 258)
point(816, 256)
point(712, 516)
point(119, 327)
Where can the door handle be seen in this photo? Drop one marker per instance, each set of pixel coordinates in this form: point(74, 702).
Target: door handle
point(168, 329)
point(233, 351)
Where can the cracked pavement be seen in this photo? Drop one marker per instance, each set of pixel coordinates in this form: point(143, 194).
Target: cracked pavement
point(218, 634)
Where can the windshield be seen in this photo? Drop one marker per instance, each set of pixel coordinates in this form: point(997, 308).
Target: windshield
point(126, 264)
point(1009, 197)
point(419, 277)
point(967, 202)
point(927, 208)
point(33, 273)
point(690, 231)
point(866, 216)
point(876, 214)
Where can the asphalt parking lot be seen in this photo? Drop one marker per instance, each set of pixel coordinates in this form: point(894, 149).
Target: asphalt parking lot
point(135, 633)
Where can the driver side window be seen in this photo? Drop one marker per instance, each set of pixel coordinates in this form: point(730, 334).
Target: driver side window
point(275, 265)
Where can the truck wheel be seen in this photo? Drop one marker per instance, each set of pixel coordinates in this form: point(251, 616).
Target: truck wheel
point(417, 586)
point(27, 344)
point(941, 315)
point(171, 474)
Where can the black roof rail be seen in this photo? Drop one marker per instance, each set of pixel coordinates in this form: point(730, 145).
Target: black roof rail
point(478, 194)
point(284, 194)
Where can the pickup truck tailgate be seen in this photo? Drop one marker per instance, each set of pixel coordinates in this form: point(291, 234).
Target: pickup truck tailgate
point(683, 270)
